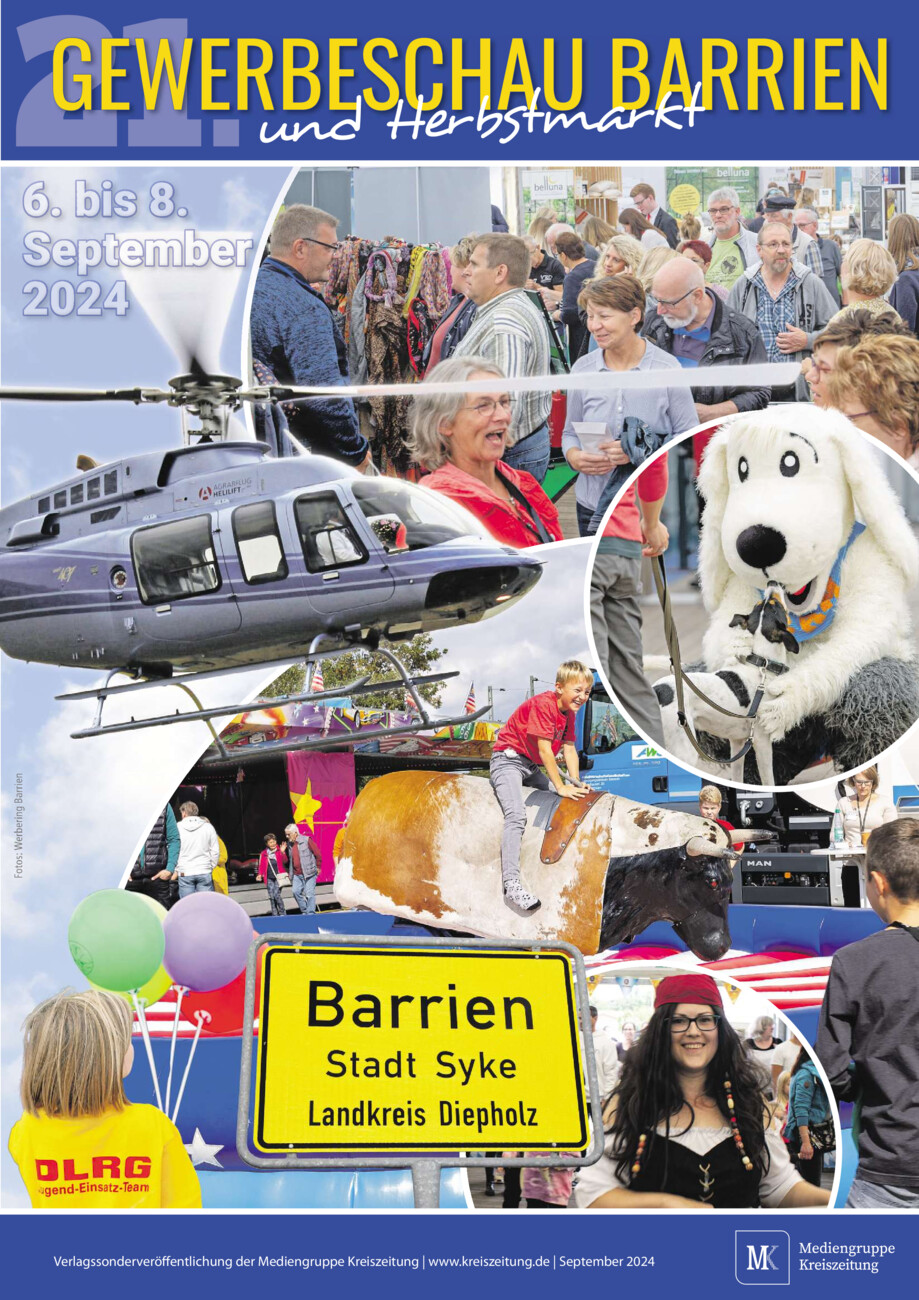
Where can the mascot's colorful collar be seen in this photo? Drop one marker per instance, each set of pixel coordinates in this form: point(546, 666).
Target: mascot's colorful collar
point(806, 626)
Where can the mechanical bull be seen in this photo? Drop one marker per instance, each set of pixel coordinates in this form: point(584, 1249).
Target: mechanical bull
point(427, 846)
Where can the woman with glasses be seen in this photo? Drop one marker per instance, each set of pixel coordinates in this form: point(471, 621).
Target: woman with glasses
point(864, 808)
point(688, 1125)
point(461, 437)
point(845, 332)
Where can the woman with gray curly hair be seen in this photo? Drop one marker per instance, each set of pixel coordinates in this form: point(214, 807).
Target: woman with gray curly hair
point(460, 436)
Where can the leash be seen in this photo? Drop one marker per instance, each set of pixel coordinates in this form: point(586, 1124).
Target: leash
point(680, 677)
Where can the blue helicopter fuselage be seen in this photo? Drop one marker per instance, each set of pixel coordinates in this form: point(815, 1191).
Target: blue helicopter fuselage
point(221, 555)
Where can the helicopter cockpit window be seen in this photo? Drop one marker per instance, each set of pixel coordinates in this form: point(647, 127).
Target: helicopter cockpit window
point(258, 541)
point(406, 518)
point(176, 560)
point(328, 540)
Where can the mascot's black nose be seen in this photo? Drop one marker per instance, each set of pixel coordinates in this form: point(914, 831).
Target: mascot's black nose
point(761, 547)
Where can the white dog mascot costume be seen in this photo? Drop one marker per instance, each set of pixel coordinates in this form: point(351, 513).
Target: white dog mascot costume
point(798, 496)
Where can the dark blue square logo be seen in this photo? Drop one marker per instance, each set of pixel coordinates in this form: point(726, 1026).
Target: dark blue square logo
point(762, 1258)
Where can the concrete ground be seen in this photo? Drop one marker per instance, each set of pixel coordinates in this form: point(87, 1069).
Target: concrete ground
point(253, 898)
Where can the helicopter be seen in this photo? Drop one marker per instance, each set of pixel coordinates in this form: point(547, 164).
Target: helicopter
point(222, 554)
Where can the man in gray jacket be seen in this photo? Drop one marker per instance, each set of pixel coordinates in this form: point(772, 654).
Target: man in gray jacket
point(785, 300)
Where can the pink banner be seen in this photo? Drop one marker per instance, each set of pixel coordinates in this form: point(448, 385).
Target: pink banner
point(322, 790)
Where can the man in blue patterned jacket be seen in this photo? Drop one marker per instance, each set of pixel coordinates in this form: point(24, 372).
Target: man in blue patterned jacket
point(295, 334)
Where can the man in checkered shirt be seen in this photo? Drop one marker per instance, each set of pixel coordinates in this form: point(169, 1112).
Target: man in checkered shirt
point(787, 302)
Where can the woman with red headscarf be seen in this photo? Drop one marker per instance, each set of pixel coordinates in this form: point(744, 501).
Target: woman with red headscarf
point(688, 1126)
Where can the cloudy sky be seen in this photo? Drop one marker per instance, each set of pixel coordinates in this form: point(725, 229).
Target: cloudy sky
point(88, 804)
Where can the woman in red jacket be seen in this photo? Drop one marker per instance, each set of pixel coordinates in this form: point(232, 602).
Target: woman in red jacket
point(461, 438)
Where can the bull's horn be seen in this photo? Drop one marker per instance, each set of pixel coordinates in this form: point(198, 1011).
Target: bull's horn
point(699, 847)
point(752, 836)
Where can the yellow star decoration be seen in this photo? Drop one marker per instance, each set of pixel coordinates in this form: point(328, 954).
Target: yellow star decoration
point(306, 807)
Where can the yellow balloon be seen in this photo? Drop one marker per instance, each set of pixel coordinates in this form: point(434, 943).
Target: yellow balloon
point(160, 982)
point(157, 908)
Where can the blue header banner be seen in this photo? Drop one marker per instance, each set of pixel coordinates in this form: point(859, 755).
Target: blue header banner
point(654, 1256)
point(229, 82)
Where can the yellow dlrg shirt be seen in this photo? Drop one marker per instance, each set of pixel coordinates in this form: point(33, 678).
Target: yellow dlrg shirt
point(121, 1160)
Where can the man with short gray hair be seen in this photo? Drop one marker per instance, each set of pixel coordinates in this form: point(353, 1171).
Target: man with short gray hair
point(510, 330)
point(733, 247)
point(546, 272)
point(830, 253)
point(295, 334)
point(695, 325)
point(781, 208)
point(786, 301)
point(304, 862)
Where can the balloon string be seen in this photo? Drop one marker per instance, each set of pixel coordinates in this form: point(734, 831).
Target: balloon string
point(180, 993)
point(145, 1034)
point(201, 1017)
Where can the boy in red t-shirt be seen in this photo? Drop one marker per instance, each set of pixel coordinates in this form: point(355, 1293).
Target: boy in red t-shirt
point(533, 736)
point(710, 807)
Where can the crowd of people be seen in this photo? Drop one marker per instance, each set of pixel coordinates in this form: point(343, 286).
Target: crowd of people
point(186, 856)
point(647, 294)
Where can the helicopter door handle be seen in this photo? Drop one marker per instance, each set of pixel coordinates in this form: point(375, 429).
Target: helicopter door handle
point(330, 577)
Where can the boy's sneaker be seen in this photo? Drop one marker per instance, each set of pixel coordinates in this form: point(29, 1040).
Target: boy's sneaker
point(519, 899)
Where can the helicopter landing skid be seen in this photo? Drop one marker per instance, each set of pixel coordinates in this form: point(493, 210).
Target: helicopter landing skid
point(360, 686)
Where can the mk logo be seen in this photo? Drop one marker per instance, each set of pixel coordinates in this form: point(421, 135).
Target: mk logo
point(762, 1258)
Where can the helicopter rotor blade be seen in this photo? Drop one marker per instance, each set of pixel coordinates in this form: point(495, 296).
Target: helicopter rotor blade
point(136, 395)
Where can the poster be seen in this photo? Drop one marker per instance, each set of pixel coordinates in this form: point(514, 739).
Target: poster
point(689, 187)
point(145, 161)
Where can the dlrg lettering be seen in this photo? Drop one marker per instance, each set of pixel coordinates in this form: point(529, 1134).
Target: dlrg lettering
point(102, 1167)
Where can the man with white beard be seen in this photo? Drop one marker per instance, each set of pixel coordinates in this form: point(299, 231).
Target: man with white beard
point(699, 329)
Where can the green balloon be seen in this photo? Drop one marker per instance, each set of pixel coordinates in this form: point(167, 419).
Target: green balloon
point(116, 939)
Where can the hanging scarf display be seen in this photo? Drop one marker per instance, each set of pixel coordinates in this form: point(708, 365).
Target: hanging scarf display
point(387, 296)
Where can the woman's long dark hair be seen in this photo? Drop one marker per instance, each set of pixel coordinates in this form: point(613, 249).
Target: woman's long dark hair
point(649, 1093)
point(801, 1059)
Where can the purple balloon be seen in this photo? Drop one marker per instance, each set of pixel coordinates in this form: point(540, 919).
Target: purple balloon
point(207, 940)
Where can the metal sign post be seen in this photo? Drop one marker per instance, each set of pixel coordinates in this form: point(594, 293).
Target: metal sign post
point(426, 1048)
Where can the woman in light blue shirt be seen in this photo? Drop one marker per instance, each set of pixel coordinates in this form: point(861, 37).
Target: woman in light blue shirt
point(639, 420)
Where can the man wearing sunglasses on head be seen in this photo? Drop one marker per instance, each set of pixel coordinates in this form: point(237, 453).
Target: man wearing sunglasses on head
point(296, 337)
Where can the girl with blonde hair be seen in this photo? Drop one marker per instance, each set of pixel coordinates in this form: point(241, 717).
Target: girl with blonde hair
point(80, 1143)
